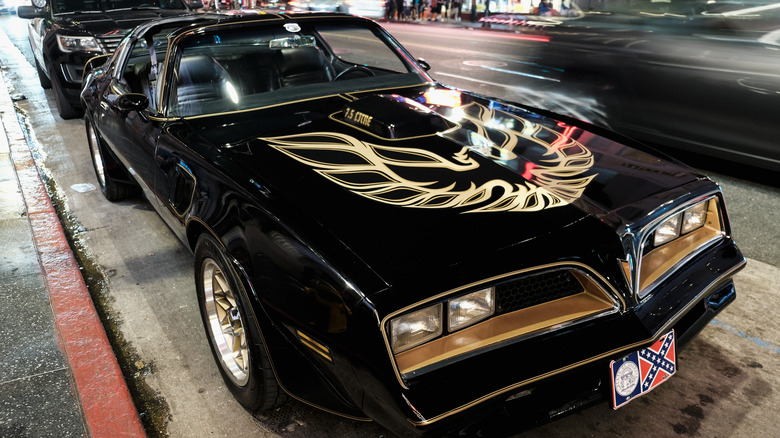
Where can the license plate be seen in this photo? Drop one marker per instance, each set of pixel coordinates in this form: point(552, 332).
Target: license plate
point(643, 370)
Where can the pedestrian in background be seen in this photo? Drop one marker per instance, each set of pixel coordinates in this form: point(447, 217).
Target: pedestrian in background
point(417, 10)
point(435, 10)
point(390, 10)
point(406, 11)
point(544, 9)
point(454, 10)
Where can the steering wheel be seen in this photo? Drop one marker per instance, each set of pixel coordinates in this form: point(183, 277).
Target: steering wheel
point(354, 68)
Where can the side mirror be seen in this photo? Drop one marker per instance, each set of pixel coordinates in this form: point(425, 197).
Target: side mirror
point(94, 63)
point(30, 12)
point(195, 4)
point(132, 102)
point(424, 64)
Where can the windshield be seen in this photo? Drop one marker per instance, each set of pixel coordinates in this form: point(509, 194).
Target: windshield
point(65, 6)
point(233, 70)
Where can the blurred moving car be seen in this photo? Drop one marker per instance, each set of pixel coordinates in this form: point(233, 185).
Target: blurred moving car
point(220, 4)
point(6, 8)
point(365, 8)
point(65, 34)
point(700, 76)
point(377, 245)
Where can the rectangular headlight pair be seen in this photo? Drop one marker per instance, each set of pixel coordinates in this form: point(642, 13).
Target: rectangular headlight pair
point(690, 219)
point(418, 327)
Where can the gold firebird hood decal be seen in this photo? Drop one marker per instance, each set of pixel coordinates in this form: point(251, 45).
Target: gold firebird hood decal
point(367, 169)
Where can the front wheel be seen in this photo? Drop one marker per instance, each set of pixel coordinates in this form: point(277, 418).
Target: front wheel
point(66, 109)
point(42, 78)
point(104, 164)
point(235, 341)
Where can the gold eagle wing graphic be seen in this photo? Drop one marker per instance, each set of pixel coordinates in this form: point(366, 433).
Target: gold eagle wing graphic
point(367, 169)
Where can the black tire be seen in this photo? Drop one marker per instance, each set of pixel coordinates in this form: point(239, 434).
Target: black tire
point(104, 165)
point(64, 107)
point(234, 338)
point(42, 78)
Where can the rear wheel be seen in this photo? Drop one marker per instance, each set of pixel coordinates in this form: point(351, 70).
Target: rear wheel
point(103, 163)
point(237, 346)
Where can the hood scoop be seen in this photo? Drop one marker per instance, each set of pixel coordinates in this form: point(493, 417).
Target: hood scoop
point(393, 117)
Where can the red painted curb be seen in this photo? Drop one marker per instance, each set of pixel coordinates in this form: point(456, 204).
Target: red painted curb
point(105, 399)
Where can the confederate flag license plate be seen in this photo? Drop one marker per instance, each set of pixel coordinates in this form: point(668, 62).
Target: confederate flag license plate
point(643, 370)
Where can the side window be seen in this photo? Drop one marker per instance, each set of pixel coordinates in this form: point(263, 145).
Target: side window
point(138, 68)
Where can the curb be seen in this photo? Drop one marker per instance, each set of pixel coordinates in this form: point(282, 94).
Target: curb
point(106, 403)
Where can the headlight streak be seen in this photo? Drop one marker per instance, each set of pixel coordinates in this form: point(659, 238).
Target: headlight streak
point(518, 73)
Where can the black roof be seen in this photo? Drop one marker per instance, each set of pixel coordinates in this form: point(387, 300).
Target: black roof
point(184, 23)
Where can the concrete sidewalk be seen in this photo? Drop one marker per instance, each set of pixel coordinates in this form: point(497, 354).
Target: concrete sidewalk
point(58, 374)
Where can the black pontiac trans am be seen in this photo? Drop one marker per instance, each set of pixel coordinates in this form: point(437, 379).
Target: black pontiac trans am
point(375, 244)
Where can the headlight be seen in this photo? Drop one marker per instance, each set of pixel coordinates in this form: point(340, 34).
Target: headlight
point(470, 308)
point(689, 220)
point(694, 217)
point(668, 231)
point(415, 328)
point(78, 44)
point(676, 240)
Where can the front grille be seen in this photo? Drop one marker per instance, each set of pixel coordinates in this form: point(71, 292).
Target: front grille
point(109, 42)
point(535, 289)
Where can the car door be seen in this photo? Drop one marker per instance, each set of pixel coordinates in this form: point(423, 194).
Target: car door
point(175, 181)
point(132, 133)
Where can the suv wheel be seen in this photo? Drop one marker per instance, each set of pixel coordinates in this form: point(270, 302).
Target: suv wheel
point(45, 81)
point(65, 108)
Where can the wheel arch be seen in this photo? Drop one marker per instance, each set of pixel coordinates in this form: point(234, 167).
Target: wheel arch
point(298, 370)
point(195, 228)
point(114, 168)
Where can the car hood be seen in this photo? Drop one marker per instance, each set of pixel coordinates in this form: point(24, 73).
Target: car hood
point(427, 182)
point(112, 22)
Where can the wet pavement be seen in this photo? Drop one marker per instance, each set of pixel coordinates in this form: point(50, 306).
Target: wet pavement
point(58, 374)
point(34, 374)
point(57, 381)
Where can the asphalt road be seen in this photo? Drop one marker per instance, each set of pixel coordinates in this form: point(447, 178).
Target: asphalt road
point(497, 64)
point(727, 384)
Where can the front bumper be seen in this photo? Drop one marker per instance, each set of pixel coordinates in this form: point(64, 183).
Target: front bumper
point(537, 379)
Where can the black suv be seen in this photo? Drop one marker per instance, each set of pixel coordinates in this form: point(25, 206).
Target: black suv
point(65, 34)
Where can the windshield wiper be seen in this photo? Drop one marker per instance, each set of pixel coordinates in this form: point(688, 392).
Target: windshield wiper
point(134, 8)
point(78, 12)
